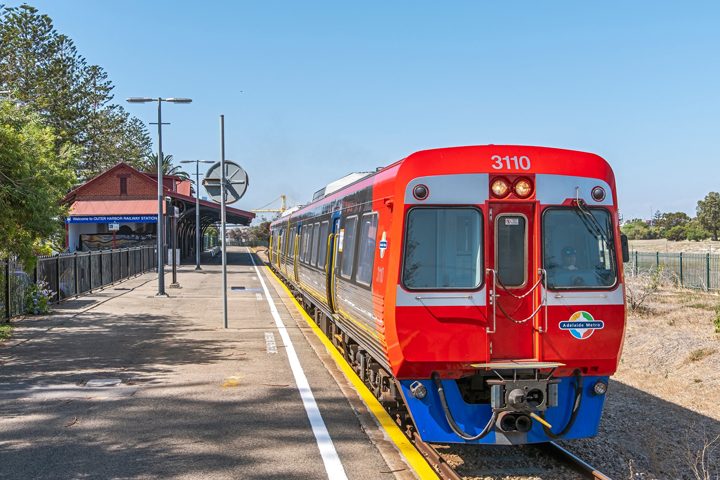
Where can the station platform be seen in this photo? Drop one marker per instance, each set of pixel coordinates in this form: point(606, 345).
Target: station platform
point(121, 383)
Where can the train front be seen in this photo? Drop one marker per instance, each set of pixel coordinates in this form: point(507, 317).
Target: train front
point(509, 313)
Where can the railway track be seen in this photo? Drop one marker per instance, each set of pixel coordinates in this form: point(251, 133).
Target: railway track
point(461, 461)
point(544, 461)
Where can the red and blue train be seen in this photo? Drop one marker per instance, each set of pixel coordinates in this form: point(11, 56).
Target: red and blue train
point(477, 289)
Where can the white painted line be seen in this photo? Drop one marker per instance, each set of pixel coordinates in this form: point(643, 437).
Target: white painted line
point(258, 296)
point(333, 466)
point(270, 342)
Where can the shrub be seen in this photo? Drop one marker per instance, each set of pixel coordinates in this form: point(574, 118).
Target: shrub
point(37, 298)
point(676, 234)
point(697, 234)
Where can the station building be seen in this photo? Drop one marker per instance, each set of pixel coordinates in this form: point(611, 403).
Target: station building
point(127, 197)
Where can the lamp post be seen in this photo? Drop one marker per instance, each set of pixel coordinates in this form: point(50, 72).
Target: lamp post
point(160, 220)
point(197, 208)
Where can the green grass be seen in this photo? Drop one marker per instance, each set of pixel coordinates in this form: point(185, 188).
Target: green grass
point(6, 330)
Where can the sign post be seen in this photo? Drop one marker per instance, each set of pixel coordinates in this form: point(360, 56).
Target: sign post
point(225, 182)
point(114, 227)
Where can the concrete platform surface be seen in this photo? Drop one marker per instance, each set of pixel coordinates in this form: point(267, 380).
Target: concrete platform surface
point(123, 384)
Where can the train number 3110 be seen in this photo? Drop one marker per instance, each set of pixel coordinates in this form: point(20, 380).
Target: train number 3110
point(522, 162)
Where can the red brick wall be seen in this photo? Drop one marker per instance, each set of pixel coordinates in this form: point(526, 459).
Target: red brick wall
point(108, 187)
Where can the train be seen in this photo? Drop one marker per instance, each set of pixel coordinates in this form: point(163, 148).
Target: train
point(477, 290)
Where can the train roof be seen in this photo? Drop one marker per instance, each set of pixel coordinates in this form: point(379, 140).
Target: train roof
point(544, 160)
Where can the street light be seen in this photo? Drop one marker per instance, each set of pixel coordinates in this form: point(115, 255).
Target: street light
point(160, 220)
point(197, 208)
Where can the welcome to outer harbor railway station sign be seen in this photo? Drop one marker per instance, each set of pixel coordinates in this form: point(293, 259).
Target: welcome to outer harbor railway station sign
point(113, 218)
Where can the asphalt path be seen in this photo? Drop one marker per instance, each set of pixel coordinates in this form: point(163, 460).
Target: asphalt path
point(123, 384)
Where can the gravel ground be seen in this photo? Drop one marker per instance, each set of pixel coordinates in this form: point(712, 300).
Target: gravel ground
point(662, 406)
point(661, 414)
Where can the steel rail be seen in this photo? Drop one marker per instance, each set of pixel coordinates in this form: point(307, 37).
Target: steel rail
point(447, 472)
point(557, 451)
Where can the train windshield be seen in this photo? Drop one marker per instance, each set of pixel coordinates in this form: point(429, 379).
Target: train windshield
point(578, 252)
point(443, 249)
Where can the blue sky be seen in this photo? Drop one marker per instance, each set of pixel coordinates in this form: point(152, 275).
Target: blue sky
point(331, 87)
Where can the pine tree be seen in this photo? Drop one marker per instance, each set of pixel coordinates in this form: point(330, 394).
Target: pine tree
point(44, 69)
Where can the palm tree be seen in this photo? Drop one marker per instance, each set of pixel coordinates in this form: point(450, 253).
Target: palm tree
point(167, 167)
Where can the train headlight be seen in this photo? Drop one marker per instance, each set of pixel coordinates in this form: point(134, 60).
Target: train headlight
point(418, 390)
point(500, 187)
point(600, 387)
point(523, 187)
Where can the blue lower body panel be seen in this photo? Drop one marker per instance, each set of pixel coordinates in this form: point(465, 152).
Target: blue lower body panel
point(430, 421)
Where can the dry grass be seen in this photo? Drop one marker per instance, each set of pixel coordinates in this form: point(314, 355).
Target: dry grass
point(671, 353)
point(685, 246)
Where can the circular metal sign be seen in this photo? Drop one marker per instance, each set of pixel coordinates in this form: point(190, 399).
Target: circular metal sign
point(236, 182)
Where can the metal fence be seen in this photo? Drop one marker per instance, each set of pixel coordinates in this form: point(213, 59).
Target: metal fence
point(69, 275)
point(210, 242)
point(688, 270)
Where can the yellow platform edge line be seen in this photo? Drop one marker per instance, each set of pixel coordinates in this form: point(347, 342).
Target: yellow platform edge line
point(414, 458)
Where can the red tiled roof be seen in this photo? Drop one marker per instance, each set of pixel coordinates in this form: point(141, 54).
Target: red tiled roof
point(114, 207)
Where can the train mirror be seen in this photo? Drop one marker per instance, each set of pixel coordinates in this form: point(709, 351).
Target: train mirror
point(625, 248)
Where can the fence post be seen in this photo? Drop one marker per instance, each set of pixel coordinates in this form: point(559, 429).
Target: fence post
point(657, 260)
point(7, 288)
point(112, 273)
point(636, 262)
point(681, 271)
point(57, 277)
point(707, 272)
point(77, 277)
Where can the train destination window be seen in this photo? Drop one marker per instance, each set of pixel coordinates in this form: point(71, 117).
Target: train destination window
point(578, 251)
point(323, 244)
point(511, 249)
point(366, 255)
point(316, 238)
point(443, 249)
point(348, 252)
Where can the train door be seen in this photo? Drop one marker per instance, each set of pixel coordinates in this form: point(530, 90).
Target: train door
point(511, 266)
point(332, 261)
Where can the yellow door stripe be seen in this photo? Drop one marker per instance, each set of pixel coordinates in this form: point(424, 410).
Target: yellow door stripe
point(414, 458)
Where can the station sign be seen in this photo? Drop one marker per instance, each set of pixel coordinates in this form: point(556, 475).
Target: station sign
point(114, 226)
point(113, 219)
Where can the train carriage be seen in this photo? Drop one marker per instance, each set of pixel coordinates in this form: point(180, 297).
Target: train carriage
point(479, 289)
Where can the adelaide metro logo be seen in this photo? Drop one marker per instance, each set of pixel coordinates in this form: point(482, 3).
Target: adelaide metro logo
point(581, 325)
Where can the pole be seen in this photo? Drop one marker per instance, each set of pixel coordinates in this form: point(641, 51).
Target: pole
point(160, 220)
point(222, 208)
point(173, 222)
point(197, 216)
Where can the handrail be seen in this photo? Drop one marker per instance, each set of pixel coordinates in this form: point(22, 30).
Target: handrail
point(442, 297)
point(543, 301)
point(493, 299)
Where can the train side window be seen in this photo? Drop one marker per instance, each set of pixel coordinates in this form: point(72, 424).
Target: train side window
point(323, 244)
point(303, 243)
point(315, 243)
point(348, 253)
point(366, 253)
point(443, 249)
point(306, 243)
point(309, 243)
